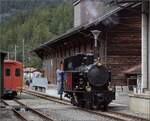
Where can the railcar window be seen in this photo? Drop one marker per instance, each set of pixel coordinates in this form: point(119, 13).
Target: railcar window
point(7, 72)
point(17, 72)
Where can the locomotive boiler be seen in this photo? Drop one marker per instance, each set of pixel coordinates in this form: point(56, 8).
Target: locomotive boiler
point(87, 82)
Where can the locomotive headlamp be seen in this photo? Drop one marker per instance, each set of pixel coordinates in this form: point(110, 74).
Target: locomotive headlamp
point(98, 64)
point(88, 87)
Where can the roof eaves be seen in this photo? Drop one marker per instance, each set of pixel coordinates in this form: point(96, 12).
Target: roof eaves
point(62, 36)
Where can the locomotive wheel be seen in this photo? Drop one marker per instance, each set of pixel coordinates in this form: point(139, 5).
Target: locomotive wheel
point(88, 105)
point(104, 107)
point(95, 107)
point(79, 104)
point(73, 101)
point(14, 94)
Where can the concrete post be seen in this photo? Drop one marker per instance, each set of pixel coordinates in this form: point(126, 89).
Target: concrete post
point(144, 43)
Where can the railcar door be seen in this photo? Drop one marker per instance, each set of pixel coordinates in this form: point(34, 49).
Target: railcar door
point(17, 82)
point(8, 76)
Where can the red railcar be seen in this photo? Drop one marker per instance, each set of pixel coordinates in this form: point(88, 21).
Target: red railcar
point(13, 77)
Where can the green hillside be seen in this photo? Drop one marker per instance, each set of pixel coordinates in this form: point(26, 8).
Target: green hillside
point(35, 26)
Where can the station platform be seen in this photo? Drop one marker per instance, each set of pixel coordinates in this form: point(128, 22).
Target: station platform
point(121, 104)
point(52, 90)
point(121, 95)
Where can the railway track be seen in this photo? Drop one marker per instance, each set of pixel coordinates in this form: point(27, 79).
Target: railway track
point(15, 111)
point(119, 116)
point(24, 112)
point(47, 97)
point(110, 114)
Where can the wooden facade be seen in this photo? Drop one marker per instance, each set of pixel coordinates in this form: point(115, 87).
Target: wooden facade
point(119, 45)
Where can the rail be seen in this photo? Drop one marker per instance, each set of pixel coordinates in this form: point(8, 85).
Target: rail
point(19, 115)
point(41, 115)
point(110, 114)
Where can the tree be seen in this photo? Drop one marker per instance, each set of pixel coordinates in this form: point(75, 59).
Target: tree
point(36, 26)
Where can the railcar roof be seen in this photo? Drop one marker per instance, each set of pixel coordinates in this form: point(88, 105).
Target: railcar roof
point(13, 62)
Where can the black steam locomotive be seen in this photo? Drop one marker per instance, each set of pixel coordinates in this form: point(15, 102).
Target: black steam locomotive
point(87, 82)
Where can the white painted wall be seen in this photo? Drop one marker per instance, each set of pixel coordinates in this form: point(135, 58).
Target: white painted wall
point(144, 43)
point(149, 49)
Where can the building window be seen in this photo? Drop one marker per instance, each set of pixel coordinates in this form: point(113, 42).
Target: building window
point(7, 72)
point(17, 72)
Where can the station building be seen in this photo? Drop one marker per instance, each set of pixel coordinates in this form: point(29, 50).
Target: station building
point(124, 42)
point(119, 41)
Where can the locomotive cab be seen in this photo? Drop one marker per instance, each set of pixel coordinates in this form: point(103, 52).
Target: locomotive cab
point(74, 68)
point(87, 82)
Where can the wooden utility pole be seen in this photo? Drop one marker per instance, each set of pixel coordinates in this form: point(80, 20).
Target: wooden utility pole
point(15, 52)
point(8, 55)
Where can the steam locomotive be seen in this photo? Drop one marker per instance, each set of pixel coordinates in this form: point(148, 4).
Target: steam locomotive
point(87, 82)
